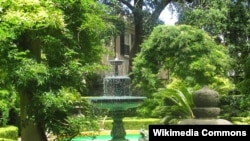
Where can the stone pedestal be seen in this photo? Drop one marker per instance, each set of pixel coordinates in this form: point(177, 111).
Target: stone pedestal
point(118, 132)
point(205, 110)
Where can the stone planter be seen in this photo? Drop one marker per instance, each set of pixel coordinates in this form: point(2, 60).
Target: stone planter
point(206, 112)
point(206, 97)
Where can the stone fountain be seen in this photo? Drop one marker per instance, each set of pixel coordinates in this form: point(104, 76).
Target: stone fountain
point(117, 99)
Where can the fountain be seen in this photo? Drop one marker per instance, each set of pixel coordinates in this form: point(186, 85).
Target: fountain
point(117, 99)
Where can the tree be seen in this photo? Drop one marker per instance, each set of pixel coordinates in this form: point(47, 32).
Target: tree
point(237, 39)
point(144, 15)
point(186, 53)
point(211, 15)
point(47, 49)
point(228, 22)
point(191, 58)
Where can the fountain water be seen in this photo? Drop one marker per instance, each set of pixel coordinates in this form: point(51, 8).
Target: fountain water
point(117, 99)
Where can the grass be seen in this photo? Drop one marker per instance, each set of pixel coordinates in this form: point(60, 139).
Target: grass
point(133, 123)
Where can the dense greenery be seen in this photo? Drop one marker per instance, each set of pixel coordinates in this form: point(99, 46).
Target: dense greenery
point(184, 52)
point(9, 133)
point(227, 21)
point(8, 103)
point(227, 25)
point(143, 15)
point(48, 49)
point(171, 103)
point(190, 57)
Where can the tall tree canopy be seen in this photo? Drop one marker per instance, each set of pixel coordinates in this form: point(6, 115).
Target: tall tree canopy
point(47, 48)
point(143, 14)
point(208, 15)
point(228, 21)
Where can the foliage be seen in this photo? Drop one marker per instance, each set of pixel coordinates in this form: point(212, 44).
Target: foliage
point(73, 114)
point(143, 15)
point(229, 26)
point(9, 132)
point(191, 58)
point(175, 102)
point(6, 139)
point(76, 125)
point(8, 101)
point(147, 10)
point(47, 50)
point(231, 105)
point(243, 85)
point(225, 20)
point(179, 101)
point(146, 108)
point(238, 26)
point(184, 52)
point(211, 15)
point(244, 106)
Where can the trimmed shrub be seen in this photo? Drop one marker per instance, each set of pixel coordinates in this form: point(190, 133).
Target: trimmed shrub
point(9, 133)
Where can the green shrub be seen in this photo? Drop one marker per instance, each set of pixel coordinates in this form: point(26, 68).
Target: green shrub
point(241, 120)
point(133, 124)
point(9, 133)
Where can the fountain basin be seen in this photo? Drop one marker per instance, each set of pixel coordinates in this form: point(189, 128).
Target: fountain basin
point(116, 103)
point(117, 99)
point(130, 137)
point(116, 86)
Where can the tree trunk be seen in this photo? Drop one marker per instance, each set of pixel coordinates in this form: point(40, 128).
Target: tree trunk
point(138, 19)
point(140, 25)
point(30, 131)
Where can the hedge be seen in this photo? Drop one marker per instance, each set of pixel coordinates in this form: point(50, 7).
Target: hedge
point(9, 133)
point(133, 124)
point(4, 139)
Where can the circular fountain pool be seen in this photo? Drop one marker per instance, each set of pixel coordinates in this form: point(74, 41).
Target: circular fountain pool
point(129, 137)
point(114, 103)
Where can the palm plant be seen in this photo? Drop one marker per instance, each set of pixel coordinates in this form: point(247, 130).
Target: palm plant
point(174, 104)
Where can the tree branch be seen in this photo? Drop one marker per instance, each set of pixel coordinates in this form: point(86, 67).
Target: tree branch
point(127, 4)
point(156, 13)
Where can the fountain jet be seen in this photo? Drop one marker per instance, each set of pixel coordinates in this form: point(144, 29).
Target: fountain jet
point(117, 98)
